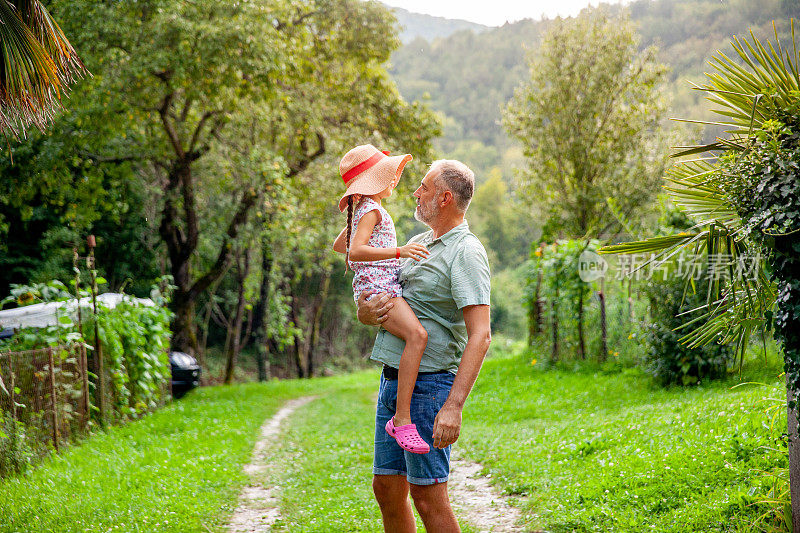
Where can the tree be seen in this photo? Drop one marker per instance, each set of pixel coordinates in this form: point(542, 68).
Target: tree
point(37, 66)
point(501, 222)
point(586, 119)
point(223, 101)
point(744, 196)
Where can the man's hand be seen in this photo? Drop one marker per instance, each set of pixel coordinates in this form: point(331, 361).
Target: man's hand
point(374, 311)
point(446, 426)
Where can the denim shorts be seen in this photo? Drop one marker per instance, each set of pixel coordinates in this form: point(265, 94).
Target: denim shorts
point(430, 393)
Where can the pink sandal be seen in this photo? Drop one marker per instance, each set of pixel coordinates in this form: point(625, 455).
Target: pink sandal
point(407, 437)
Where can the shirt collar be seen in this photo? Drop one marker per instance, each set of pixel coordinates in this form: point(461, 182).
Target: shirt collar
point(448, 237)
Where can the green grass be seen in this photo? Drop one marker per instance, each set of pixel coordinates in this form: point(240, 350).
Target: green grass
point(179, 469)
point(597, 452)
point(326, 478)
point(577, 450)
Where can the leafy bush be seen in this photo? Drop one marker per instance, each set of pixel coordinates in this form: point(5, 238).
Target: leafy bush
point(570, 310)
point(135, 340)
point(15, 449)
point(666, 358)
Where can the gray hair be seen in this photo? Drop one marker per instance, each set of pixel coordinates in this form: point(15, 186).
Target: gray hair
point(457, 178)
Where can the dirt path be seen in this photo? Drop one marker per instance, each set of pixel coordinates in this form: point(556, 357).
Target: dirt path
point(477, 501)
point(258, 504)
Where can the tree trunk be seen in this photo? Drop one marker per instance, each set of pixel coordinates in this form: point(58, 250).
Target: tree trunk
point(535, 312)
point(206, 317)
point(296, 348)
point(554, 308)
point(316, 317)
point(260, 329)
point(581, 339)
point(236, 331)
point(182, 244)
point(184, 338)
point(179, 228)
point(794, 459)
point(262, 361)
point(601, 295)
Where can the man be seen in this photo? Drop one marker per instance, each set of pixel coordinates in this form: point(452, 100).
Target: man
point(449, 293)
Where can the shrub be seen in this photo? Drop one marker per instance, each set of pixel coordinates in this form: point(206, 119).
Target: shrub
point(666, 358)
point(15, 450)
point(135, 340)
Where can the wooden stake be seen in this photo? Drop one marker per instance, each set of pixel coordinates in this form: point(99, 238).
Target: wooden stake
point(85, 384)
point(53, 397)
point(13, 385)
point(98, 347)
point(603, 326)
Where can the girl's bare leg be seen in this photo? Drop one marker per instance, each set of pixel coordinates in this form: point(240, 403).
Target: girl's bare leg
point(403, 323)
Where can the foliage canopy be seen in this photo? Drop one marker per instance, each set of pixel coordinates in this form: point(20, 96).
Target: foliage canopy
point(588, 120)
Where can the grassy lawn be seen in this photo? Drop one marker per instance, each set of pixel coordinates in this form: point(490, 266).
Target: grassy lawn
point(595, 452)
point(579, 451)
point(179, 469)
point(326, 479)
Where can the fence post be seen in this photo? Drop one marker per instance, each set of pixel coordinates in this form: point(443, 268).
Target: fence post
point(85, 383)
point(603, 325)
point(77, 271)
point(98, 347)
point(13, 386)
point(554, 307)
point(53, 396)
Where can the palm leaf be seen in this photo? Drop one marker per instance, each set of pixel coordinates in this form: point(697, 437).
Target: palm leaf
point(747, 95)
point(52, 38)
point(37, 64)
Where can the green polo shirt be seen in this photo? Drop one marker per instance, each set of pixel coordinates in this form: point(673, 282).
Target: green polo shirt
point(455, 275)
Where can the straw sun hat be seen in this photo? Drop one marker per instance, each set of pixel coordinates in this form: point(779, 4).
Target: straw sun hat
point(366, 170)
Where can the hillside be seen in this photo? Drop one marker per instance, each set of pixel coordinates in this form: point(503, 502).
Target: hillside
point(417, 25)
point(470, 76)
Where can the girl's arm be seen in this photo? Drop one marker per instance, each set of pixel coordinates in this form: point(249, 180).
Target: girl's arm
point(361, 251)
point(339, 244)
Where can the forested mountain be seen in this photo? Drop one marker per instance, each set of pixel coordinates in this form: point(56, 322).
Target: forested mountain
point(414, 25)
point(469, 77)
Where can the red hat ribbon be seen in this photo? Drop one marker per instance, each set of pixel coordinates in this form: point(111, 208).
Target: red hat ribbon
point(365, 165)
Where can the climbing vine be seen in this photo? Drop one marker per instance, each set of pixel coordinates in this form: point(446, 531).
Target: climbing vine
point(762, 183)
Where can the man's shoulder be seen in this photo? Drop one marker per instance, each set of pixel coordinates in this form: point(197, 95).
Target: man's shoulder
point(470, 243)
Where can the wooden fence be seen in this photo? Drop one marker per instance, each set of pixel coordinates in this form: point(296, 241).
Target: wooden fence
point(46, 391)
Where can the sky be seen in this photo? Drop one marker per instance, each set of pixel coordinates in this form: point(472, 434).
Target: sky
point(495, 12)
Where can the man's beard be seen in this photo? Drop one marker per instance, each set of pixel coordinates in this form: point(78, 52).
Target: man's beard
point(426, 213)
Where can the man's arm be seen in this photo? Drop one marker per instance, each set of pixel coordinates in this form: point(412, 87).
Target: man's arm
point(447, 425)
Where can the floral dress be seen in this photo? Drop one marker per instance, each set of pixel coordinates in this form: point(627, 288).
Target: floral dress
point(377, 276)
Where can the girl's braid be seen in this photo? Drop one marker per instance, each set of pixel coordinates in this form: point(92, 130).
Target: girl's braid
point(349, 228)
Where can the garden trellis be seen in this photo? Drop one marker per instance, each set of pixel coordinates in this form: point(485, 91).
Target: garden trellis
point(44, 400)
point(73, 362)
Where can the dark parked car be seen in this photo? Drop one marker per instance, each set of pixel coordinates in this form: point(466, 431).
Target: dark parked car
point(185, 373)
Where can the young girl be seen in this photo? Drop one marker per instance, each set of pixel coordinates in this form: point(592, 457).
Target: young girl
point(370, 242)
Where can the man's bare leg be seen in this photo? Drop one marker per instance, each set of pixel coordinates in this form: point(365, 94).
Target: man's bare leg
point(392, 495)
point(433, 506)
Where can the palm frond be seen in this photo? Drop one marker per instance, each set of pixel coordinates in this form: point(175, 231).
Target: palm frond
point(37, 64)
point(52, 38)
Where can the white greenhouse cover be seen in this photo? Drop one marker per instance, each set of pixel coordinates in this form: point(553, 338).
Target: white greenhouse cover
point(42, 315)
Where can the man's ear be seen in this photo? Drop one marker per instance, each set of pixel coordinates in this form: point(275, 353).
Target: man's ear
point(446, 198)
